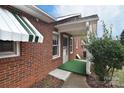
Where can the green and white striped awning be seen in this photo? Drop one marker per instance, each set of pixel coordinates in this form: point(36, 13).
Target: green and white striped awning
point(17, 28)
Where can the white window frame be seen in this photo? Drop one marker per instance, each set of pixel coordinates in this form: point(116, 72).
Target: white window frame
point(58, 55)
point(71, 45)
point(15, 53)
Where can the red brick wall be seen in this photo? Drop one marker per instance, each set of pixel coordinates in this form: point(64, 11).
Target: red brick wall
point(78, 50)
point(35, 60)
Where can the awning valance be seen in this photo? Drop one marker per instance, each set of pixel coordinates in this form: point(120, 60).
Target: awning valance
point(17, 28)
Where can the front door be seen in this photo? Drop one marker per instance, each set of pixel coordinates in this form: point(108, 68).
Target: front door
point(65, 48)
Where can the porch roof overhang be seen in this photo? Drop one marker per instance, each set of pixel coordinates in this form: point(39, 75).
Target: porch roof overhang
point(77, 27)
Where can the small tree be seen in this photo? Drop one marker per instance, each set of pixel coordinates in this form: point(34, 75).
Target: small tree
point(108, 55)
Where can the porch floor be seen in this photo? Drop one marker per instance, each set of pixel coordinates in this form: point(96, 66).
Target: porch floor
point(75, 66)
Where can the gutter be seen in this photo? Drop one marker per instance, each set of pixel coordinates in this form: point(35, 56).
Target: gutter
point(36, 12)
point(52, 18)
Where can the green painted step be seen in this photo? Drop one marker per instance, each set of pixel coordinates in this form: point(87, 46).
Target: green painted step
point(75, 66)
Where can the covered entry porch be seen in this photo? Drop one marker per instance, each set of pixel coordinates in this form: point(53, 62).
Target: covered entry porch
point(76, 27)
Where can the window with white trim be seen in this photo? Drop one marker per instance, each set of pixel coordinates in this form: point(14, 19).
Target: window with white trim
point(71, 45)
point(56, 45)
point(9, 49)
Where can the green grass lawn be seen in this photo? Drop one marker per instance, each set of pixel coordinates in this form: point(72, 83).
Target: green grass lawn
point(120, 75)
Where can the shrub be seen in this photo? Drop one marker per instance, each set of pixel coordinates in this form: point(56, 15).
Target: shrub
point(108, 55)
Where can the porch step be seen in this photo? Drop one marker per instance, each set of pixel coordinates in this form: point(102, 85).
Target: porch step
point(60, 74)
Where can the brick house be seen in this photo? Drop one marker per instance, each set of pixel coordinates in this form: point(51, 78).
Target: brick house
point(32, 43)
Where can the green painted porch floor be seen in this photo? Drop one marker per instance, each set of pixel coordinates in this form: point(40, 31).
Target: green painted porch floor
point(75, 66)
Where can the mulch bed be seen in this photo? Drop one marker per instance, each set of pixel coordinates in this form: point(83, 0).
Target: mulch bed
point(48, 82)
point(93, 81)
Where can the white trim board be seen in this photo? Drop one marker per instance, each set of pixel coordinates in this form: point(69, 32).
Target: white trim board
point(76, 22)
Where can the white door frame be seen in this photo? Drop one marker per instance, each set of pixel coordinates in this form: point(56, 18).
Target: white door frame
point(67, 57)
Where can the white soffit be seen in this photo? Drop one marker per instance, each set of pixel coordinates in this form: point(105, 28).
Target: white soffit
point(76, 22)
point(75, 29)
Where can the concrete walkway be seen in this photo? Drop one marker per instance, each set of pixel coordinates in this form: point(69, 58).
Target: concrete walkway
point(76, 81)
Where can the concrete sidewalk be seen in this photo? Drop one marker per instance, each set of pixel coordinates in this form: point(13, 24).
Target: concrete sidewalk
point(76, 81)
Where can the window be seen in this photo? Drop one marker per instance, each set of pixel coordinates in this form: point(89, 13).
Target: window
point(56, 45)
point(9, 49)
point(71, 45)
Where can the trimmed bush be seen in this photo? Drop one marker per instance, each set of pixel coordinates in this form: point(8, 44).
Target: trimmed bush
point(108, 55)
